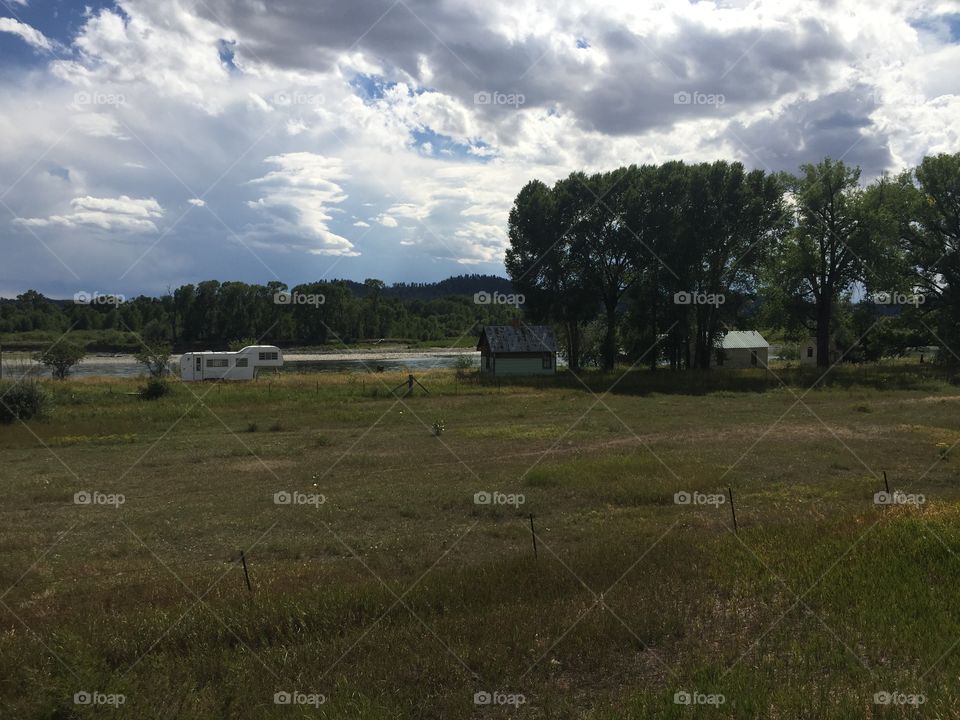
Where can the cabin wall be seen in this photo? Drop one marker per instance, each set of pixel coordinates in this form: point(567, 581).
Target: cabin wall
point(740, 358)
point(507, 365)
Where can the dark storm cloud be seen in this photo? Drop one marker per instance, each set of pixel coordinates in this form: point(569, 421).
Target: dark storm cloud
point(635, 91)
point(836, 125)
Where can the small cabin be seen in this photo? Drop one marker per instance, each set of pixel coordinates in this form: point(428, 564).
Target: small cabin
point(808, 352)
point(743, 349)
point(517, 349)
point(243, 364)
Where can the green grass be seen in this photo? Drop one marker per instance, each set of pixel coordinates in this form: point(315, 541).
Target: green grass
point(819, 601)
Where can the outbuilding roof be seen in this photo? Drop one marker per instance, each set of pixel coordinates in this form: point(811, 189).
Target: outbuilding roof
point(744, 340)
point(522, 338)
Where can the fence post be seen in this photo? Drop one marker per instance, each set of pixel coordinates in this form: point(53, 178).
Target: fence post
point(246, 575)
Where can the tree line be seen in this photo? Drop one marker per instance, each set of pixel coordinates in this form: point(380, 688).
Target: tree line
point(216, 315)
point(654, 263)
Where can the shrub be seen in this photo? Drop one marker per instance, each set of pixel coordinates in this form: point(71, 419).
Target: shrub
point(155, 388)
point(60, 357)
point(464, 367)
point(23, 400)
point(156, 359)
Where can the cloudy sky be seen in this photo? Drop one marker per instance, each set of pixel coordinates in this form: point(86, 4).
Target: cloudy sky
point(149, 143)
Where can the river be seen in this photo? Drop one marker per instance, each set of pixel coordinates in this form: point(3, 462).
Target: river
point(122, 365)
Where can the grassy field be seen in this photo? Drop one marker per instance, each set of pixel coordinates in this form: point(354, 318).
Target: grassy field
point(397, 595)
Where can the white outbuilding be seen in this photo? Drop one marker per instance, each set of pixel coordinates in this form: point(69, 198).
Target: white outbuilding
point(743, 349)
point(243, 364)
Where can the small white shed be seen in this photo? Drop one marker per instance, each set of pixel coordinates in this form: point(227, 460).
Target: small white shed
point(743, 349)
point(808, 351)
point(240, 365)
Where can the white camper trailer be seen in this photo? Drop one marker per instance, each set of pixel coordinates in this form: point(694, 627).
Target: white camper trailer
point(240, 365)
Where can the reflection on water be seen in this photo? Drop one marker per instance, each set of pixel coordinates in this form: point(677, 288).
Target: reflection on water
point(126, 366)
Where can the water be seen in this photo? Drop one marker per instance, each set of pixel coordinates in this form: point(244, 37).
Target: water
point(126, 366)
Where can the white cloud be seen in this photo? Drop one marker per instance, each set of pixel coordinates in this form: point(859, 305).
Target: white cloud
point(305, 184)
point(30, 34)
point(123, 214)
point(427, 169)
point(197, 202)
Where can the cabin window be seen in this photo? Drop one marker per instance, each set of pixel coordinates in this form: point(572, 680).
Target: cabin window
point(810, 352)
point(547, 361)
point(753, 358)
point(243, 362)
point(218, 363)
point(268, 356)
point(488, 362)
point(719, 357)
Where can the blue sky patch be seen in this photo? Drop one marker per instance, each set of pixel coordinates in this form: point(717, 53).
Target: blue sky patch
point(443, 147)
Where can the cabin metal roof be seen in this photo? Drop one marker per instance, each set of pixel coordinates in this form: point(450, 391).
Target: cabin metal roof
point(523, 338)
point(744, 340)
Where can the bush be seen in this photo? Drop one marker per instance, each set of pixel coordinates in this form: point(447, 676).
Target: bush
point(23, 400)
point(156, 359)
point(464, 367)
point(61, 357)
point(154, 389)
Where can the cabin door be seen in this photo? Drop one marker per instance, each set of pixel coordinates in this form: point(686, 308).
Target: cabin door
point(198, 369)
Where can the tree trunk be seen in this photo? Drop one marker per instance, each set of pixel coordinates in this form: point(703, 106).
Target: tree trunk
point(610, 338)
point(824, 312)
point(573, 345)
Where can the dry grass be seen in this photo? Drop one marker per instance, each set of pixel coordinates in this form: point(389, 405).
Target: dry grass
point(400, 597)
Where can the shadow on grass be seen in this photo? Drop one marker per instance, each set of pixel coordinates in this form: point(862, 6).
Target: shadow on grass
point(878, 376)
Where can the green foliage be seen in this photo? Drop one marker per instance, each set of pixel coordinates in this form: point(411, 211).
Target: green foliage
point(61, 357)
point(591, 246)
point(22, 400)
point(214, 315)
point(464, 367)
point(156, 388)
point(156, 359)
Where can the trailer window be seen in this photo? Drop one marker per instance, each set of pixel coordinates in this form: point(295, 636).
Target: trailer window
point(268, 356)
point(217, 363)
point(243, 362)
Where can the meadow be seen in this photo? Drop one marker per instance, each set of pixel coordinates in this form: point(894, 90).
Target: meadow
point(379, 587)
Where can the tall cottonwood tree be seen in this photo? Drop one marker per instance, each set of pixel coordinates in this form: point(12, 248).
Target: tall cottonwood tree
point(821, 257)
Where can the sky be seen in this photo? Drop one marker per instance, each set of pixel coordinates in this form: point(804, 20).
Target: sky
point(145, 144)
